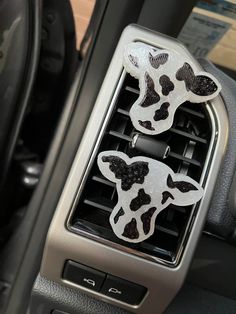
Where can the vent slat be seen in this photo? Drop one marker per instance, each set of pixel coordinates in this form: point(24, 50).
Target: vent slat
point(132, 90)
point(172, 231)
point(103, 181)
point(120, 135)
point(95, 228)
point(185, 159)
point(168, 255)
point(122, 111)
point(189, 136)
point(192, 112)
point(177, 208)
point(98, 205)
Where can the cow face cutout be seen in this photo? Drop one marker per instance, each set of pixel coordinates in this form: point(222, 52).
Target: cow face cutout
point(166, 80)
point(145, 187)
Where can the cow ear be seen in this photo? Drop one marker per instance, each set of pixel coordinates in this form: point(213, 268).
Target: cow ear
point(184, 189)
point(136, 58)
point(109, 162)
point(202, 85)
point(206, 85)
point(131, 60)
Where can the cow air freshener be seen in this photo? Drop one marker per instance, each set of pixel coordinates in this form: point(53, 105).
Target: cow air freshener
point(145, 187)
point(166, 80)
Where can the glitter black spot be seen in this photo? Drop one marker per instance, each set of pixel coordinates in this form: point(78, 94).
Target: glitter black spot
point(182, 186)
point(133, 60)
point(146, 124)
point(200, 85)
point(203, 86)
point(158, 59)
point(141, 199)
point(162, 113)
point(130, 230)
point(129, 174)
point(146, 219)
point(151, 96)
point(165, 196)
point(166, 84)
point(117, 216)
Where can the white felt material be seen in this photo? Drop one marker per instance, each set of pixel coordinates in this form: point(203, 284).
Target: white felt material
point(137, 63)
point(155, 183)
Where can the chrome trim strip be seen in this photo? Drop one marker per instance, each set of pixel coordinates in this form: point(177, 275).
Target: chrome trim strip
point(161, 281)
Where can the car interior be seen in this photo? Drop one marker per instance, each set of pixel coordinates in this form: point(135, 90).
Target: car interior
point(75, 150)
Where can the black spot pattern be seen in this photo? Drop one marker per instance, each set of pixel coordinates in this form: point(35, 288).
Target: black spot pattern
point(186, 74)
point(128, 174)
point(158, 59)
point(133, 60)
point(141, 199)
point(165, 196)
point(146, 219)
point(203, 86)
point(117, 216)
point(151, 96)
point(162, 113)
point(146, 124)
point(200, 85)
point(182, 186)
point(130, 230)
point(166, 84)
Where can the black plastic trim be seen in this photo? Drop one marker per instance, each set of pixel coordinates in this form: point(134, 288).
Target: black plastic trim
point(27, 81)
point(167, 17)
point(33, 231)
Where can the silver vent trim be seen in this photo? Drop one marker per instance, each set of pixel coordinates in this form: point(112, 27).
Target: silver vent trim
point(161, 281)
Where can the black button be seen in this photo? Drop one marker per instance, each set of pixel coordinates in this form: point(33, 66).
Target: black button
point(83, 275)
point(123, 290)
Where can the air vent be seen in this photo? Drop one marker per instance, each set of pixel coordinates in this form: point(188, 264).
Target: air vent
point(188, 139)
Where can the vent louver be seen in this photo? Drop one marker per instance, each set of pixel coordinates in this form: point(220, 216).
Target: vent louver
point(188, 139)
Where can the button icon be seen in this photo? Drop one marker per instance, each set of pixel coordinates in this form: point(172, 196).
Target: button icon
point(115, 291)
point(91, 282)
point(83, 275)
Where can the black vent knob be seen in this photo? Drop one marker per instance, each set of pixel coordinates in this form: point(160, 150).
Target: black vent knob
point(150, 146)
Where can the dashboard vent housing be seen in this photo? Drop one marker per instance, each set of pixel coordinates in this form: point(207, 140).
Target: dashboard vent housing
point(189, 140)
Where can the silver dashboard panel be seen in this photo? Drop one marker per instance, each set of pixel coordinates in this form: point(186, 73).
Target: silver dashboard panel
point(162, 282)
